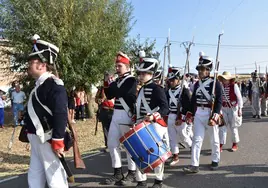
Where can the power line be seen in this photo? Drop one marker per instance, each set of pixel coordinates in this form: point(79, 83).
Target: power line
point(194, 15)
point(211, 16)
point(258, 62)
point(228, 45)
point(232, 11)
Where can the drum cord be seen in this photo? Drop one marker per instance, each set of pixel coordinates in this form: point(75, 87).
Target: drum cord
point(152, 136)
point(162, 168)
point(133, 148)
point(145, 147)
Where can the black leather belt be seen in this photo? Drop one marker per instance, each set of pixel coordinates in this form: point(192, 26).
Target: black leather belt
point(204, 105)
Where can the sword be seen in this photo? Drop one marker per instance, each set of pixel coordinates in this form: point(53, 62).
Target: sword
point(70, 175)
point(11, 139)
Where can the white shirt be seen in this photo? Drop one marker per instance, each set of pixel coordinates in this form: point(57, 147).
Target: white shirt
point(18, 97)
point(238, 96)
point(255, 87)
point(2, 105)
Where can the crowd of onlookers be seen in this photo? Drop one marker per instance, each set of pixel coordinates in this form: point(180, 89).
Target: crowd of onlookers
point(77, 100)
point(17, 99)
point(78, 104)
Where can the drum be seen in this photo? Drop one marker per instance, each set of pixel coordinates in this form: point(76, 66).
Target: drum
point(145, 146)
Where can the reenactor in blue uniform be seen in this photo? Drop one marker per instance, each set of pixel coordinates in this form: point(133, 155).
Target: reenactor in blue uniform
point(46, 118)
point(123, 90)
point(179, 99)
point(152, 106)
point(203, 116)
point(158, 76)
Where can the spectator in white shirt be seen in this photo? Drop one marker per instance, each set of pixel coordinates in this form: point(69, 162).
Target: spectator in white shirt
point(2, 105)
point(18, 97)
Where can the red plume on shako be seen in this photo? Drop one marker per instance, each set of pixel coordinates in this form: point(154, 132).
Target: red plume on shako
point(174, 72)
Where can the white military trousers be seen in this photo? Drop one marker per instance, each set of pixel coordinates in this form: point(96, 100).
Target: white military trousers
point(201, 119)
point(116, 131)
point(45, 166)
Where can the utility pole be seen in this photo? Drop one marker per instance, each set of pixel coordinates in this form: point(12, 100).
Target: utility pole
point(235, 71)
point(164, 64)
point(259, 69)
point(187, 45)
point(168, 47)
point(256, 67)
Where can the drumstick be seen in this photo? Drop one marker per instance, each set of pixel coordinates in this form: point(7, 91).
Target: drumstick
point(153, 111)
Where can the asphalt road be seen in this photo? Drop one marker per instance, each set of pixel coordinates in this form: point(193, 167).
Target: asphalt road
point(246, 168)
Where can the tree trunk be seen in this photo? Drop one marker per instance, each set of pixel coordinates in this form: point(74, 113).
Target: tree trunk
point(90, 105)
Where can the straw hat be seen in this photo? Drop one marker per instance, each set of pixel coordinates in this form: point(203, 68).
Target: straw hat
point(226, 75)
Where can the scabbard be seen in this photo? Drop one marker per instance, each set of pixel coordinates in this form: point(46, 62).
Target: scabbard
point(67, 169)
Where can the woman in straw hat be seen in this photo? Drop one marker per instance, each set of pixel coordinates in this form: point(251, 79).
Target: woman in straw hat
point(232, 105)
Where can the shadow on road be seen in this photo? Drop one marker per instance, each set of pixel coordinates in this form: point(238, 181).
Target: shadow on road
point(237, 176)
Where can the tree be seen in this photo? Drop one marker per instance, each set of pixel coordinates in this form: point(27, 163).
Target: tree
point(134, 45)
point(88, 33)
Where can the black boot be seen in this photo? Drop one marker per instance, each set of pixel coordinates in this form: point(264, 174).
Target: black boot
point(157, 184)
point(214, 165)
point(191, 169)
point(130, 176)
point(141, 184)
point(117, 178)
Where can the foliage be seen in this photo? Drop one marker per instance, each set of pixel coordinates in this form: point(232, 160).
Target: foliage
point(87, 32)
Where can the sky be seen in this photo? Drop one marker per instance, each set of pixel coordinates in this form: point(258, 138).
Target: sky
point(244, 23)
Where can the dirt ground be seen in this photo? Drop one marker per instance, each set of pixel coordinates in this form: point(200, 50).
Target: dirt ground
point(17, 160)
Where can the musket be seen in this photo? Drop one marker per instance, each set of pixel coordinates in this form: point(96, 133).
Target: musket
point(184, 74)
point(97, 119)
point(215, 75)
point(164, 64)
point(78, 162)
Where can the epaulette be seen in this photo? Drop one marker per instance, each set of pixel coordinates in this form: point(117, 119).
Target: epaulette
point(57, 80)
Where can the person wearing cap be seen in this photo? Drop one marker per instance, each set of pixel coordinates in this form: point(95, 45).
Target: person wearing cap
point(232, 104)
point(255, 95)
point(152, 105)
point(123, 90)
point(46, 118)
point(203, 116)
point(179, 103)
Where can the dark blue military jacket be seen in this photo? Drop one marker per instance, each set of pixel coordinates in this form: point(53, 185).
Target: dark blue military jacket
point(53, 96)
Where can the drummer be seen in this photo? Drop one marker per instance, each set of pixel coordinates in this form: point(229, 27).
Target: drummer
point(151, 106)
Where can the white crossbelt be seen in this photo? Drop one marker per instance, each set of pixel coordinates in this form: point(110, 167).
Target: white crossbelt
point(122, 101)
point(141, 99)
point(203, 90)
point(173, 96)
point(43, 136)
